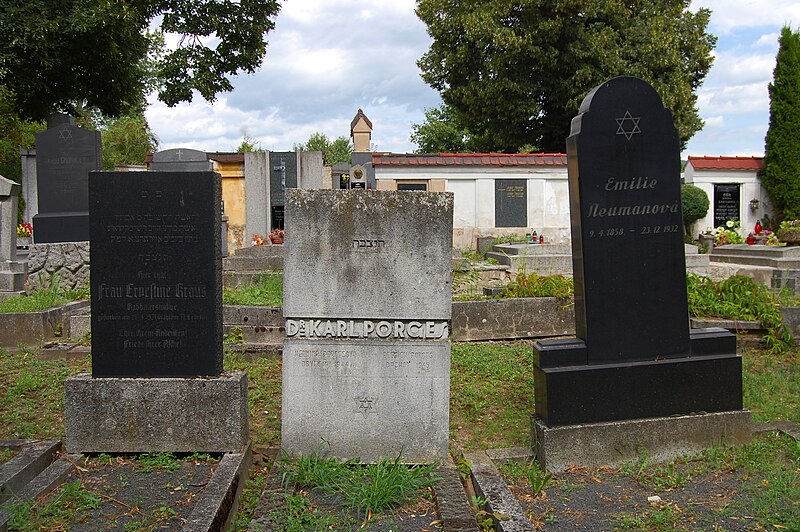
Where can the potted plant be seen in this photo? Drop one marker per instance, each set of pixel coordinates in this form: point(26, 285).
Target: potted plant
point(789, 232)
point(277, 236)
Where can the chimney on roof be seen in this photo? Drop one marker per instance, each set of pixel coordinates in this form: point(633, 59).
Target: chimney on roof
point(361, 132)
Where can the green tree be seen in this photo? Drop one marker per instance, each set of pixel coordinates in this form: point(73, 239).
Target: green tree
point(249, 144)
point(695, 205)
point(514, 72)
point(781, 173)
point(439, 133)
point(127, 140)
point(339, 150)
point(61, 53)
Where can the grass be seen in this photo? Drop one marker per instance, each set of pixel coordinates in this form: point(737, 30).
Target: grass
point(266, 291)
point(363, 489)
point(490, 406)
point(67, 506)
point(49, 296)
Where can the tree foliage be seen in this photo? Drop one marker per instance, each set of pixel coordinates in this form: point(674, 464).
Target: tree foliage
point(440, 133)
point(249, 144)
point(695, 205)
point(339, 150)
point(514, 72)
point(781, 173)
point(57, 53)
point(127, 140)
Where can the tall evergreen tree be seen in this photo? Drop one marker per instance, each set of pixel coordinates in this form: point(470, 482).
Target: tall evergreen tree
point(781, 173)
point(514, 72)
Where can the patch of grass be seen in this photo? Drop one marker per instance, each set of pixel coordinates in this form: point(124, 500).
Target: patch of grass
point(6, 455)
point(530, 471)
point(263, 396)
point(301, 515)
point(266, 291)
point(627, 521)
point(66, 507)
point(534, 285)
point(32, 394)
point(249, 498)
point(771, 385)
point(491, 395)
point(149, 462)
point(365, 489)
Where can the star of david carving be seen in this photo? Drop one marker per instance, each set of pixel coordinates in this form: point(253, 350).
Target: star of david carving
point(628, 125)
point(65, 135)
point(365, 404)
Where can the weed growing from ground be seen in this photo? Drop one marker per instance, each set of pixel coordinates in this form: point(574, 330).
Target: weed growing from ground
point(67, 507)
point(266, 291)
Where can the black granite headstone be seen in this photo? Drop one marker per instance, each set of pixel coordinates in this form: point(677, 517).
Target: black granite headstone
point(65, 154)
point(634, 356)
point(511, 203)
point(726, 204)
point(156, 277)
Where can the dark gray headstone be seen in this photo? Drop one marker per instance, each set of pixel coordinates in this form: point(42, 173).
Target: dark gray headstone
point(634, 356)
point(181, 160)
point(282, 175)
point(627, 238)
point(510, 203)
point(726, 204)
point(156, 276)
point(65, 154)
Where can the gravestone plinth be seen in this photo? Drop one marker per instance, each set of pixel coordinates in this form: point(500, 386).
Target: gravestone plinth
point(12, 271)
point(65, 154)
point(634, 356)
point(366, 362)
point(156, 289)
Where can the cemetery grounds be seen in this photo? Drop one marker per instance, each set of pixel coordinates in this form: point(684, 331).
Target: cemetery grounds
point(754, 487)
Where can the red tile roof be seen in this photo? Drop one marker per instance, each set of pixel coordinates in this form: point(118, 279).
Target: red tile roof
point(469, 159)
point(726, 163)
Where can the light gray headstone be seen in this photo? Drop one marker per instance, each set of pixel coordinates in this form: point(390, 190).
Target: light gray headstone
point(256, 194)
point(310, 170)
point(9, 196)
point(367, 293)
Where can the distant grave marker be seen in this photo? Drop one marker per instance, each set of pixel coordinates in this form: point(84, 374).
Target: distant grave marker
point(511, 202)
point(65, 154)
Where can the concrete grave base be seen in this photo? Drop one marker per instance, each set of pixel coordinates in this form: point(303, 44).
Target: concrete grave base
point(156, 414)
point(615, 442)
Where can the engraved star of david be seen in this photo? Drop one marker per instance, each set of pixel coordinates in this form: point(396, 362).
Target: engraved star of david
point(65, 135)
point(365, 404)
point(628, 125)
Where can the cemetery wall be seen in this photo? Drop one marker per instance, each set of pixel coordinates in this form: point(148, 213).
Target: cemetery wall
point(493, 195)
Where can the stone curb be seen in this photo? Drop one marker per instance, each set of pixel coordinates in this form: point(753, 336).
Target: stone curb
point(490, 485)
point(47, 474)
point(216, 508)
point(33, 458)
point(272, 500)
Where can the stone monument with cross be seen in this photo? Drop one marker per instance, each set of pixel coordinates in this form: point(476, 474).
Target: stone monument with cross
point(65, 154)
point(12, 271)
point(635, 379)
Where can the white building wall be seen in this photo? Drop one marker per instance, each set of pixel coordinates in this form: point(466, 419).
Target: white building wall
point(473, 191)
point(750, 188)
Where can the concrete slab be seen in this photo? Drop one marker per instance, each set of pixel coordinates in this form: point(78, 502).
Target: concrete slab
point(613, 443)
point(216, 508)
point(156, 414)
point(32, 458)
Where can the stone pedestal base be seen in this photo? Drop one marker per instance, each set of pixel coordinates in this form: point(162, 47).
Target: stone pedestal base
point(156, 414)
point(12, 276)
point(615, 442)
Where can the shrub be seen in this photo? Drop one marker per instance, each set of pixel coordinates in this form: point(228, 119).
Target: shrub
point(695, 205)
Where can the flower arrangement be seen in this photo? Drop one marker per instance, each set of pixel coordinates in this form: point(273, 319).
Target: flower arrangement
point(257, 240)
point(277, 236)
point(728, 234)
point(789, 231)
point(24, 229)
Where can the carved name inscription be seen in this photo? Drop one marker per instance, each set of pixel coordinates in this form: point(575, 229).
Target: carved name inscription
point(383, 329)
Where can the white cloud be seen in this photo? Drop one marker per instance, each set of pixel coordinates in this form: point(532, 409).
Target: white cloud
point(729, 15)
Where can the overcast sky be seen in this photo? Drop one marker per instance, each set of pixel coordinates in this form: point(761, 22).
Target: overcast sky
point(327, 58)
